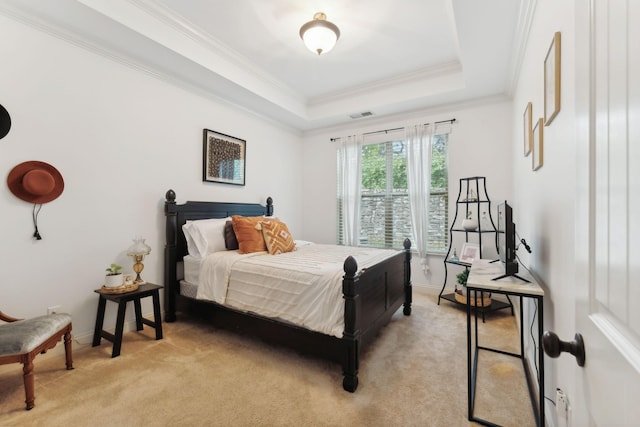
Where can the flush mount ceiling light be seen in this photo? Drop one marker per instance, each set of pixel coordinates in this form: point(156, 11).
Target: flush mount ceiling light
point(319, 35)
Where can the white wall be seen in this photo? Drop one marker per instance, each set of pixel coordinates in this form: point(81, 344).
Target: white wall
point(544, 206)
point(121, 138)
point(480, 145)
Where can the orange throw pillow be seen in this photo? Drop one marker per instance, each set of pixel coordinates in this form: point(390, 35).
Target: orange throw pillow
point(277, 237)
point(249, 237)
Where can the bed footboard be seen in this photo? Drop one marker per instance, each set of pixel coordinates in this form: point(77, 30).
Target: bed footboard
point(371, 297)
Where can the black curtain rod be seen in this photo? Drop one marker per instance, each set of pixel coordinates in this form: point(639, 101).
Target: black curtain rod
point(395, 129)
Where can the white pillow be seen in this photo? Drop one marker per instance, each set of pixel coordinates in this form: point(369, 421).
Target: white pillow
point(191, 245)
point(205, 236)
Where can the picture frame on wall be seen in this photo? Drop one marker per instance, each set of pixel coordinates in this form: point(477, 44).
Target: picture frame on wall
point(552, 84)
point(537, 157)
point(528, 129)
point(223, 158)
point(470, 251)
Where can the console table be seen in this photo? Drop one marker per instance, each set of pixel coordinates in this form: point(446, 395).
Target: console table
point(480, 280)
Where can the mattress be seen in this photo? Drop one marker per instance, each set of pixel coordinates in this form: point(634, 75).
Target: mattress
point(303, 287)
point(192, 269)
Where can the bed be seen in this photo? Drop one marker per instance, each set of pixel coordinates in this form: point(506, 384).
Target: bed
point(371, 295)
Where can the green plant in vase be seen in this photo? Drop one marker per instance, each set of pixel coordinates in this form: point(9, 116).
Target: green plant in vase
point(462, 277)
point(114, 277)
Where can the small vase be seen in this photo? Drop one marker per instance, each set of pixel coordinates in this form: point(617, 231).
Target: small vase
point(470, 224)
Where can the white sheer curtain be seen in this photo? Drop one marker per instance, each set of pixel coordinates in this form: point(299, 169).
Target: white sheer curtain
point(350, 167)
point(418, 139)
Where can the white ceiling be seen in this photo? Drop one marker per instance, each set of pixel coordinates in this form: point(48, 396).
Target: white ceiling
point(392, 56)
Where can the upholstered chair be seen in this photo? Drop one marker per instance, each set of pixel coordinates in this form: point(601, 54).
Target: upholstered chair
point(22, 340)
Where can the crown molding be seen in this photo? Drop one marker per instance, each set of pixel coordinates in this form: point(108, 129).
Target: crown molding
point(180, 24)
point(61, 33)
point(431, 114)
point(53, 30)
point(172, 32)
point(521, 38)
point(419, 76)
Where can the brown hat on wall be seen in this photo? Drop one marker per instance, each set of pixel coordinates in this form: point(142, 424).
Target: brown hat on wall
point(35, 182)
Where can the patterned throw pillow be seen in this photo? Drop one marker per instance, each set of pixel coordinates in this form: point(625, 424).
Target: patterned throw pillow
point(249, 236)
point(277, 237)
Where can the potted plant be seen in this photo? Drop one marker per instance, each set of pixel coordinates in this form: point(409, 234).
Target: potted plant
point(461, 294)
point(114, 277)
point(462, 277)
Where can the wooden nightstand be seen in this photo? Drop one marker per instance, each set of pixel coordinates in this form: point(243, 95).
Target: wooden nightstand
point(144, 290)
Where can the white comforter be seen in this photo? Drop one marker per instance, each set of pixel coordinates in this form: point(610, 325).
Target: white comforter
point(303, 287)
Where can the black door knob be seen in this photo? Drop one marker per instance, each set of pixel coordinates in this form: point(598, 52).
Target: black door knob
point(553, 346)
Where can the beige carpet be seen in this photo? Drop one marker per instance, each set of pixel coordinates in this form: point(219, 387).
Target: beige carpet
point(413, 375)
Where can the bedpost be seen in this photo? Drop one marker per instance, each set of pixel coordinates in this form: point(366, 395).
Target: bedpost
point(351, 336)
point(408, 295)
point(269, 206)
point(170, 273)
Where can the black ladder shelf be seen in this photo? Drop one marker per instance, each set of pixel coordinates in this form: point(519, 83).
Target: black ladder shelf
point(472, 195)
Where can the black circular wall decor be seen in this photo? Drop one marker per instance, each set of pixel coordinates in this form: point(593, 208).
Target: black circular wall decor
point(5, 122)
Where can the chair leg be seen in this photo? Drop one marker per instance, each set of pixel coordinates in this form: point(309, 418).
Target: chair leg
point(29, 384)
point(67, 349)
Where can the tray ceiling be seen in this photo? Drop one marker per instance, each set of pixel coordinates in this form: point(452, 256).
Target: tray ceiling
point(392, 57)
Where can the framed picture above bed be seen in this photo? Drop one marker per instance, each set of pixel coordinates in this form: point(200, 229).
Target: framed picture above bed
point(223, 158)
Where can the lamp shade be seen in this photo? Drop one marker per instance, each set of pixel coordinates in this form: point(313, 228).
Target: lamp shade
point(139, 247)
point(319, 35)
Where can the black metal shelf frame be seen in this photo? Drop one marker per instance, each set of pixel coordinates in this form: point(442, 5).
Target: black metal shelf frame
point(465, 193)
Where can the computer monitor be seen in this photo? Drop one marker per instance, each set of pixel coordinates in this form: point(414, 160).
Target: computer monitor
point(506, 238)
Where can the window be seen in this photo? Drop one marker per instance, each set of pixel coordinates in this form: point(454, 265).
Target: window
point(385, 219)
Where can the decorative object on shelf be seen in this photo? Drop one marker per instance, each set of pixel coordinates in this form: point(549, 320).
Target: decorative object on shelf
point(483, 301)
point(319, 35)
point(122, 289)
point(462, 277)
point(537, 158)
point(223, 158)
point(5, 122)
point(38, 183)
point(114, 277)
point(470, 251)
point(485, 223)
point(138, 251)
point(552, 80)
point(472, 196)
point(528, 129)
point(469, 223)
point(461, 293)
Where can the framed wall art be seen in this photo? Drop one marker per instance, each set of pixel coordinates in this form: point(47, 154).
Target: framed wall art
point(528, 129)
point(470, 251)
point(223, 158)
point(537, 158)
point(552, 80)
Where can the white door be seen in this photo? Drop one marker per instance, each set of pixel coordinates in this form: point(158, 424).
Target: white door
point(608, 212)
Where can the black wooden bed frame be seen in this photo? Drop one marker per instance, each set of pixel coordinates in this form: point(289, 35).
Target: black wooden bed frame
point(371, 296)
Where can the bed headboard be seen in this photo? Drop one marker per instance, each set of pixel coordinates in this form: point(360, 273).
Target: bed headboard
point(176, 216)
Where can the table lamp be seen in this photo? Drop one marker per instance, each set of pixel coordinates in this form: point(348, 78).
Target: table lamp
point(138, 250)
